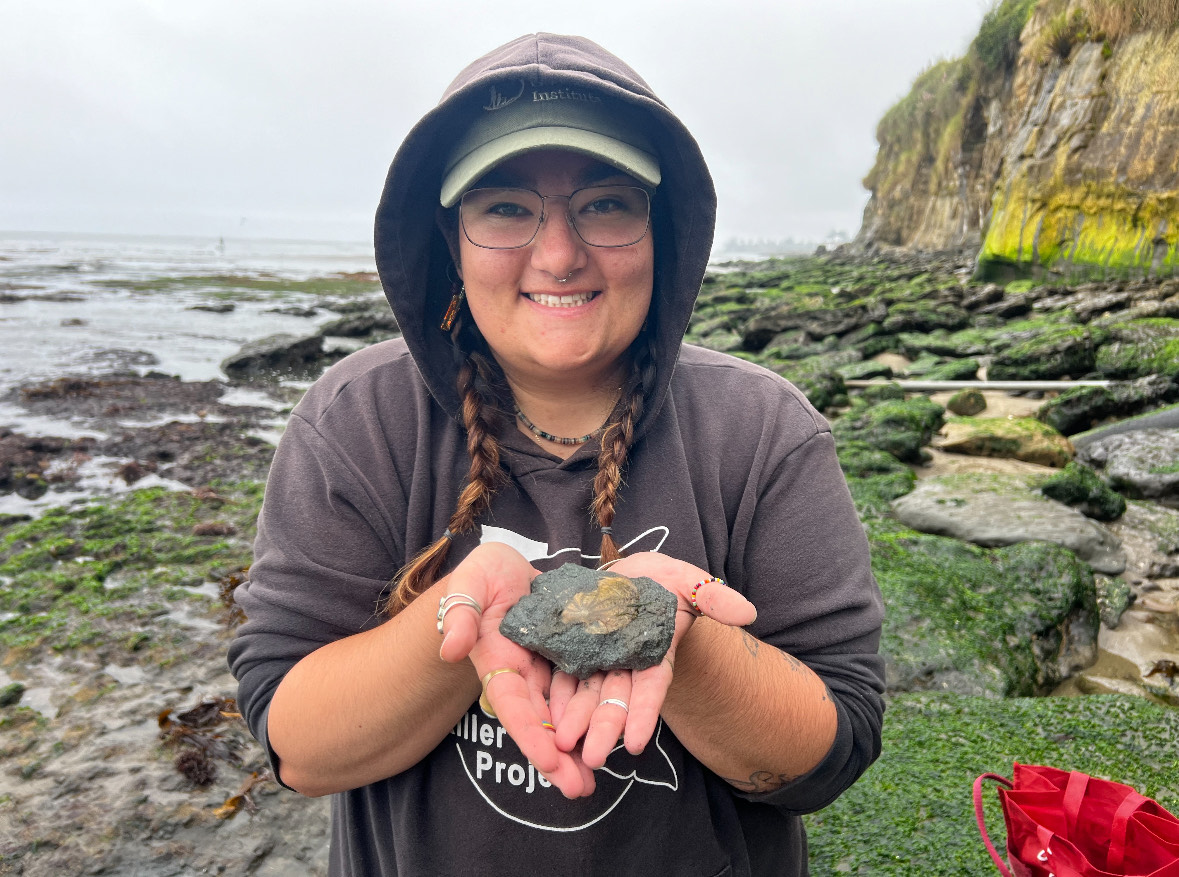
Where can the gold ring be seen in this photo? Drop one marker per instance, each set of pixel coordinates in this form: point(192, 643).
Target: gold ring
point(484, 703)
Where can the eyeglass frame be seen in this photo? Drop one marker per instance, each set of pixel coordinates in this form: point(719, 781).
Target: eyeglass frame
point(568, 216)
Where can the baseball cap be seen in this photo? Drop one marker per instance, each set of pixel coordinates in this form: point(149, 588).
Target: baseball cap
point(563, 118)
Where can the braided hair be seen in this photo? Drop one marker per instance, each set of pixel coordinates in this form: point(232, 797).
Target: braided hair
point(483, 392)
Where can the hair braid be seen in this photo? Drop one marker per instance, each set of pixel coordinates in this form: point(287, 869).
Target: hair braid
point(477, 381)
point(616, 441)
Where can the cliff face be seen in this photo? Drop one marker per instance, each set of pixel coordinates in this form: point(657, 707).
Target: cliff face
point(1066, 161)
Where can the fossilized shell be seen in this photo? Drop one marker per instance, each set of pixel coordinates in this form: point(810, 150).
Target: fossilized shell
point(611, 606)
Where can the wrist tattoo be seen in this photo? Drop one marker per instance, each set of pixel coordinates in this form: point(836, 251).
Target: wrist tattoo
point(760, 781)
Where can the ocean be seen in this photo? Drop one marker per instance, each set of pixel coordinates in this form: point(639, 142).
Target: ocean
point(83, 304)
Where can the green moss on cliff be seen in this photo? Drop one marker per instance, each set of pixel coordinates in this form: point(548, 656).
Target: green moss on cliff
point(1103, 229)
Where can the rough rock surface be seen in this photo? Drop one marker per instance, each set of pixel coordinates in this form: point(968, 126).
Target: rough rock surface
point(584, 620)
point(1018, 438)
point(1142, 465)
point(993, 511)
point(274, 353)
point(1001, 622)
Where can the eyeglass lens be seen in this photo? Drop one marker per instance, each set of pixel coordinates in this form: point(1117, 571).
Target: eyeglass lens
point(507, 218)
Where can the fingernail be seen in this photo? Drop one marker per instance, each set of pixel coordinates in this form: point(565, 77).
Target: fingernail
point(442, 647)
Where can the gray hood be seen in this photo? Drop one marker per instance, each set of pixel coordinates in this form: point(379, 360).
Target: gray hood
point(412, 255)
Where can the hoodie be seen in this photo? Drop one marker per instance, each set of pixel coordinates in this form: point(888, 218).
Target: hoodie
point(731, 470)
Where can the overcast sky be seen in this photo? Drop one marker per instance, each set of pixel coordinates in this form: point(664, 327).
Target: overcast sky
point(278, 118)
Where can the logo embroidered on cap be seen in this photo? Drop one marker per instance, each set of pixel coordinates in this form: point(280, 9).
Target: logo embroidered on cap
point(498, 101)
point(566, 94)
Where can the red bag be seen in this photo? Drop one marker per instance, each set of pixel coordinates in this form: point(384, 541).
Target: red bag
point(1069, 824)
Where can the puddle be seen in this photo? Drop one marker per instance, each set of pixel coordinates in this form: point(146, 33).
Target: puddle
point(187, 617)
point(97, 480)
point(19, 420)
point(247, 398)
point(130, 675)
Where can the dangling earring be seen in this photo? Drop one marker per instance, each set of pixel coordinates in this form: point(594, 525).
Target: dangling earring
point(456, 301)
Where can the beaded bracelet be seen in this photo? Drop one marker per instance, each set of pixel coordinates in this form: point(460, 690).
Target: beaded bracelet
point(696, 588)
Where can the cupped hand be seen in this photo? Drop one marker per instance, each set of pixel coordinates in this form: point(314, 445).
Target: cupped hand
point(496, 576)
point(588, 708)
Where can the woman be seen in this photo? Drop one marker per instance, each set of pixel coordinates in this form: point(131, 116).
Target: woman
point(541, 239)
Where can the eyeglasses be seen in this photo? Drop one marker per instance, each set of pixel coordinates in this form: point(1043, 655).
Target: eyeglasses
point(509, 218)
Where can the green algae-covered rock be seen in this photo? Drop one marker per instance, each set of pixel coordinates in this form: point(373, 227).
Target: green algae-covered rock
point(1136, 359)
point(865, 370)
point(901, 427)
point(1076, 409)
point(1082, 488)
point(924, 316)
point(1056, 352)
point(886, 391)
point(1000, 622)
point(822, 389)
point(954, 370)
point(967, 403)
point(874, 477)
point(1016, 438)
point(912, 812)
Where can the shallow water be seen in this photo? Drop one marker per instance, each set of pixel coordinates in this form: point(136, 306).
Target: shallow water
point(85, 304)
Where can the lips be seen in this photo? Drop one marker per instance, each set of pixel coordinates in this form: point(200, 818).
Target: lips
point(572, 300)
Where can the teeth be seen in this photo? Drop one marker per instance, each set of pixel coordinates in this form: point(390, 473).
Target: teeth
point(561, 301)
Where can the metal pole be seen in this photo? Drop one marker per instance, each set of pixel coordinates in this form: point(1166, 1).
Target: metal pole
point(936, 386)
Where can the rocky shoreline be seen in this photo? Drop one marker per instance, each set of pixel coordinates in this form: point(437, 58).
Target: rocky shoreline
point(1009, 571)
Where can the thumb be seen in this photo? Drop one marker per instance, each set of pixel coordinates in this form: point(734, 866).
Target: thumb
point(721, 603)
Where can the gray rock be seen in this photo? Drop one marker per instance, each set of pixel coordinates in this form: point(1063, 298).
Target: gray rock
point(584, 620)
point(274, 353)
point(1142, 464)
point(356, 325)
point(996, 510)
point(1114, 597)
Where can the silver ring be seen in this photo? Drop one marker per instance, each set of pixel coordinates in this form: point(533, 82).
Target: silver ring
point(616, 702)
point(445, 605)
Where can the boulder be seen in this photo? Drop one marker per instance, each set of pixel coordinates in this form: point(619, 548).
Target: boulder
point(1001, 622)
point(954, 370)
point(900, 427)
point(816, 322)
point(1017, 438)
point(993, 510)
point(1150, 535)
point(359, 324)
point(923, 316)
point(1143, 464)
point(1077, 409)
point(1062, 351)
point(967, 403)
point(874, 477)
point(1078, 486)
point(273, 354)
point(1140, 347)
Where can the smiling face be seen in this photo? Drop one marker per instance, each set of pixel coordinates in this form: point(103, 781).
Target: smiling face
point(540, 329)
